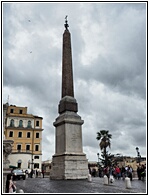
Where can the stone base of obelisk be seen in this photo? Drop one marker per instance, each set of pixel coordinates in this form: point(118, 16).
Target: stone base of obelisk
point(65, 167)
point(69, 161)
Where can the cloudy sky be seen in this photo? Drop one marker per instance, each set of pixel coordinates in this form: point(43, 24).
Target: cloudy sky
point(109, 68)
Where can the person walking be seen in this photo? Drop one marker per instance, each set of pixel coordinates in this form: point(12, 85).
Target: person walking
point(90, 172)
point(36, 173)
point(107, 172)
point(143, 172)
point(10, 186)
point(26, 172)
point(43, 173)
point(118, 172)
point(139, 172)
point(123, 172)
point(31, 173)
point(43, 170)
point(94, 172)
point(130, 170)
point(100, 172)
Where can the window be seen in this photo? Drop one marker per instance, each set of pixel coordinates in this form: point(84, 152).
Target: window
point(36, 157)
point(21, 123)
point(19, 147)
point(29, 124)
point(36, 165)
point(11, 110)
point(20, 134)
point(37, 123)
point(37, 135)
point(11, 134)
point(36, 147)
point(21, 111)
point(19, 163)
point(28, 134)
point(12, 123)
point(27, 147)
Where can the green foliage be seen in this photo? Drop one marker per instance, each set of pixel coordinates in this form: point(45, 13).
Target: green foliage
point(105, 142)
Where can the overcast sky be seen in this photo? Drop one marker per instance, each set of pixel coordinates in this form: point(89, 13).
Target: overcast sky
point(109, 69)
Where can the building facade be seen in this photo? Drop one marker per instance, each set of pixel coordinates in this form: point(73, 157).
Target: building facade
point(26, 132)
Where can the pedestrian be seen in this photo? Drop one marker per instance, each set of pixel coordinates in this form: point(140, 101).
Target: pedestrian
point(94, 172)
point(107, 172)
point(36, 173)
point(143, 172)
point(123, 172)
point(26, 172)
point(114, 172)
point(43, 173)
point(118, 172)
point(130, 170)
point(10, 186)
point(31, 173)
point(89, 170)
point(111, 171)
point(139, 172)
point(43, 169)
point(100, 172)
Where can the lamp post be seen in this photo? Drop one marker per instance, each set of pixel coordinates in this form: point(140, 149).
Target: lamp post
point(29, 164)
point(138, 154)
point(32, 163)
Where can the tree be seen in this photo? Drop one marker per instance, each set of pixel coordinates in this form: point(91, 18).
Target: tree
point(105, 142)
point(110, 159)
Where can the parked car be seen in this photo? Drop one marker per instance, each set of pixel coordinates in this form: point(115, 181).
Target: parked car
point(18, 174)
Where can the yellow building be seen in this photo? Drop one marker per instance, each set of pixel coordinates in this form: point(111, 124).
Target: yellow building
point(26, 131)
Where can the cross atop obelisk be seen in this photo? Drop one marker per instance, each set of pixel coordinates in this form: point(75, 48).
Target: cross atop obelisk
point(66, 24)
point(68, 102)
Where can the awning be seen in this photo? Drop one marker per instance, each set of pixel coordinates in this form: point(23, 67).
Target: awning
point(12, 166)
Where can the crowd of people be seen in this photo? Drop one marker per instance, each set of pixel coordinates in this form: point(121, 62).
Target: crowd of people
point(34, 173)
point(119, 173)
point(141, 172)
point(114, 171)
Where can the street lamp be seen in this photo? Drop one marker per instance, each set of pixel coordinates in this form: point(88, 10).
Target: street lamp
point(138, 154)
point(98, 158)
point(32, 163)
point(29, 164)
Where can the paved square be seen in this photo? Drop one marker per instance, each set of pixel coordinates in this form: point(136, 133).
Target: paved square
point(45, 185)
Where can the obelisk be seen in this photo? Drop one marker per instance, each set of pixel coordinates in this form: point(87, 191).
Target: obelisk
point(69, 161)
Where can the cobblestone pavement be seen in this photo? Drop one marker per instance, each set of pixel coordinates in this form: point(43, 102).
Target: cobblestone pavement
point(45, 185)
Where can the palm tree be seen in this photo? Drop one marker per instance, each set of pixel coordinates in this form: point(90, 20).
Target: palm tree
point(105, 142)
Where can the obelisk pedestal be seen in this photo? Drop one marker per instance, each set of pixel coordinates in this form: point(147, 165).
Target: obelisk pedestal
point(69, 161)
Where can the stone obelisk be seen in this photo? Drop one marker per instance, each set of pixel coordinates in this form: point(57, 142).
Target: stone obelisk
point(69, 161)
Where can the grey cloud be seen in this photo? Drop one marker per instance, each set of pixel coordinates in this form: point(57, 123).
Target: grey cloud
point(110, 88)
